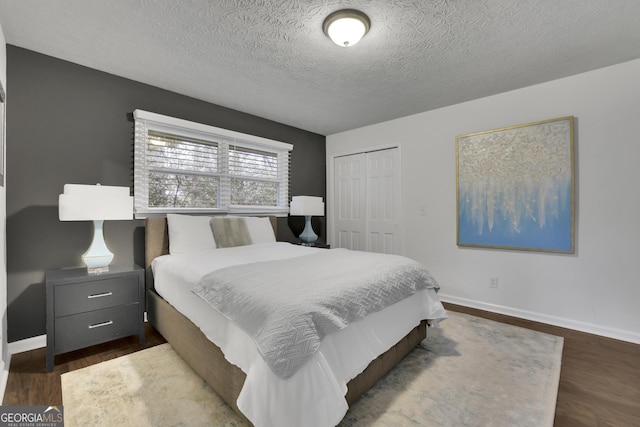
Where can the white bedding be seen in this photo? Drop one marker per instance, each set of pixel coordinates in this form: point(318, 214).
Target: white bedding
point(314, 395)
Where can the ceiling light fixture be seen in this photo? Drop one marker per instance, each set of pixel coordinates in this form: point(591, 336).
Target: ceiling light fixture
point(346, 27)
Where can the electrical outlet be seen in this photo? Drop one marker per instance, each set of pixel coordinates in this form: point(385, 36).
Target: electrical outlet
point(493, 282)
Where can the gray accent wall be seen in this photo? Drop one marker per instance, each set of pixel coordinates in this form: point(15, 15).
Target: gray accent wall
point(71, 124)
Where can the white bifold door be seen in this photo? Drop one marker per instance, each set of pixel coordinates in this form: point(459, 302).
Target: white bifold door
point(367, 201)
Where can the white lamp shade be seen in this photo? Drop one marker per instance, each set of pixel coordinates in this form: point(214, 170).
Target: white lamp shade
point(94, 202)
point(306, 205)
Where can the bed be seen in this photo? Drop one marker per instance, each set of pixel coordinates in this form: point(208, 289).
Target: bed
point(226, 371)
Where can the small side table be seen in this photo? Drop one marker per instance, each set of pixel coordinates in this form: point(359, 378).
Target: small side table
point(86, 309)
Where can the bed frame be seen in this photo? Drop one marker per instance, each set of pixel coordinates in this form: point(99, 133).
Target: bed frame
point(208, 361)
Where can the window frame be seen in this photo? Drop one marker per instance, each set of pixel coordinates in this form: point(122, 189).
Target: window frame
point(146, 121)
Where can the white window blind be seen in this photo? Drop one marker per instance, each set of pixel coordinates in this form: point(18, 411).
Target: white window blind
point(182, 166)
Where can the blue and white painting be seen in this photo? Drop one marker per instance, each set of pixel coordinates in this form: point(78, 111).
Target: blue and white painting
point(515, 187)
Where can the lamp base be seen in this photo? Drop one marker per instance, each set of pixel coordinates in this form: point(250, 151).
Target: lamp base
point(98, 257)
point(97, 270)
point(307, 235)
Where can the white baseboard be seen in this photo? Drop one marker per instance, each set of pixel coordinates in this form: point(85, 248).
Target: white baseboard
point(15, 348)
point(33, 343)
point(589, 328)
point(4, 368)
point(27, 344)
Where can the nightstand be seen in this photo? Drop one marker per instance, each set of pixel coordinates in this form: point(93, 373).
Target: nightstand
point(86, 309)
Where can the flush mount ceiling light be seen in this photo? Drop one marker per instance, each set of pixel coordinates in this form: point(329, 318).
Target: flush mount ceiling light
point(346, 27)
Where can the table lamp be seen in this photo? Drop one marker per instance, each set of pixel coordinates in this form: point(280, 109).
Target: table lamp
point(307, 206)
point(95, 203)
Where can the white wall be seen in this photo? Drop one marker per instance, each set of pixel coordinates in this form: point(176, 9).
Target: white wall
point(4, 361)
point(595, 290)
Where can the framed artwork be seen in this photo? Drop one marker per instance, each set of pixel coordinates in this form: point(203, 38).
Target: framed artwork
point(2, 133)
point(515, 187)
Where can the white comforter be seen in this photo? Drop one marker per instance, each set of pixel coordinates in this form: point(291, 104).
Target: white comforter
point(314, 395)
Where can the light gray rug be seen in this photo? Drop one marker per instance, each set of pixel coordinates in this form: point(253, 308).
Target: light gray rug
point(468, 372)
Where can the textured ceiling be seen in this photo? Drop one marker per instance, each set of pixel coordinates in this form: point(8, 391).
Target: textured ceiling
point(270, 58)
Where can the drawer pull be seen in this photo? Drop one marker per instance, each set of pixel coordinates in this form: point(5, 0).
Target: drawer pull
point(106, 294)
point(99, 325)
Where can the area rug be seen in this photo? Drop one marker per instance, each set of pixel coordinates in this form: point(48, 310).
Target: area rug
point(468, 372)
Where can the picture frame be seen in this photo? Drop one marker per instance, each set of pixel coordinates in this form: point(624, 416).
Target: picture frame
point(515, 187)
point(3, 117)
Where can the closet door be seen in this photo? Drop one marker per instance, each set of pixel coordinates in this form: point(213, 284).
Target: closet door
point(367, 201)
point(350, 199)
point(383, 201)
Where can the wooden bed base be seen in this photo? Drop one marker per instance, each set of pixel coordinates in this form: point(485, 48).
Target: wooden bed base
point(206, 358)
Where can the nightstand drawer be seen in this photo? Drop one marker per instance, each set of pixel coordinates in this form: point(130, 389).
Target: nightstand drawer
point(82, 297)
point(82, 330)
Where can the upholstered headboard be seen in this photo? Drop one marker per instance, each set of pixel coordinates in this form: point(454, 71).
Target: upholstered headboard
point(156, 240)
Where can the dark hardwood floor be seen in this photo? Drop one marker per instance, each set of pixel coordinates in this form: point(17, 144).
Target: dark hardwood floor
point(599, 380)
point(30, 384)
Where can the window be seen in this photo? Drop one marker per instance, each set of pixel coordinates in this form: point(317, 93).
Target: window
point(188, 167)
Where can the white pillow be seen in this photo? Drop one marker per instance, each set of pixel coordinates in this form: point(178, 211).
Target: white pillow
point(260, 230)
point(189, 233)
